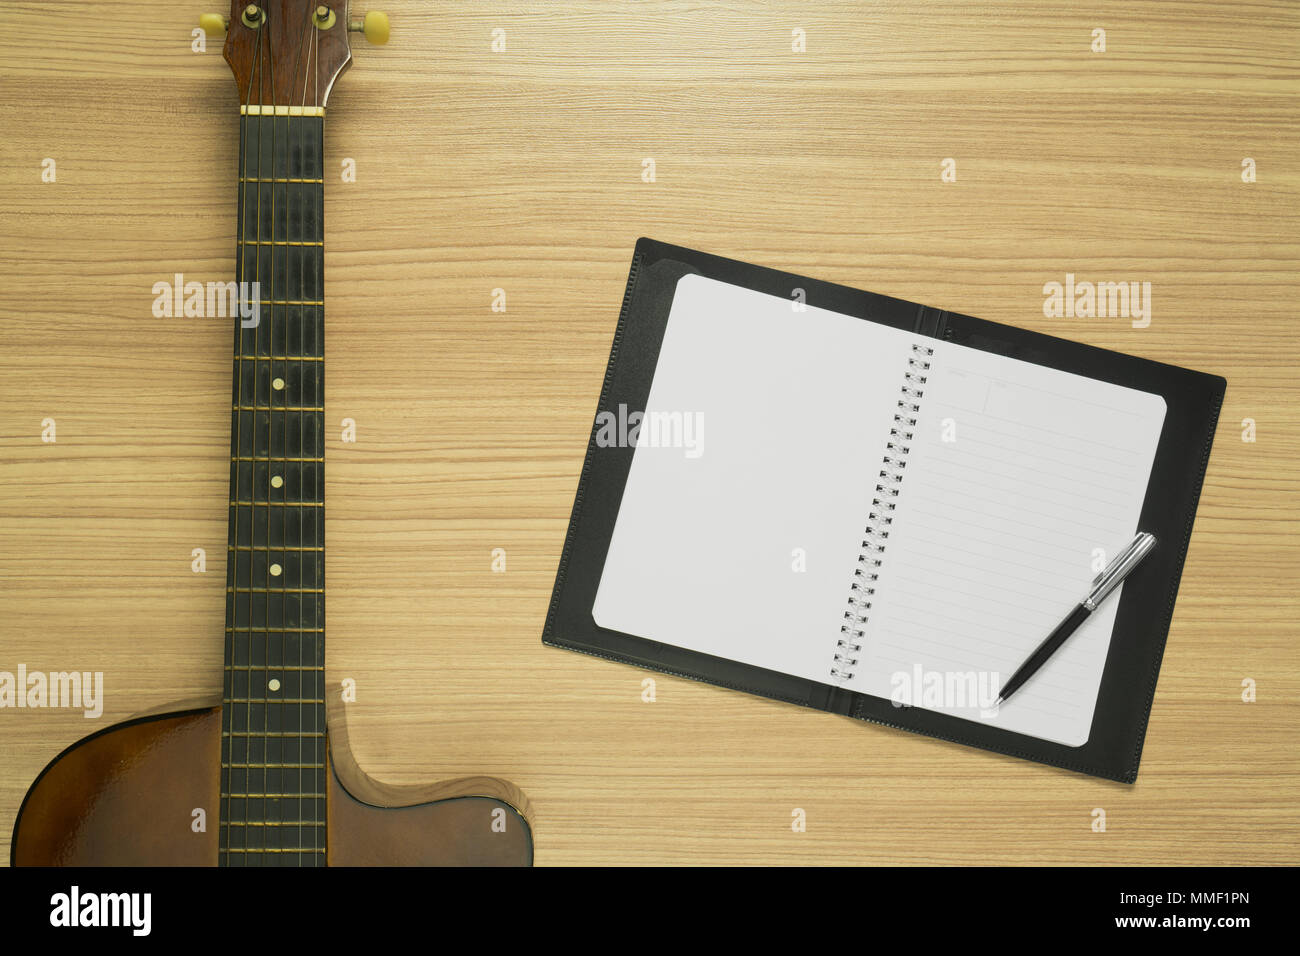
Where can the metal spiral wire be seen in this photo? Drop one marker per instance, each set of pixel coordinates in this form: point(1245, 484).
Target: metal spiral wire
point(875, 536)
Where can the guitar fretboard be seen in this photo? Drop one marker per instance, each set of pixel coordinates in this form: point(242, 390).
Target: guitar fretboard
point(273, 774)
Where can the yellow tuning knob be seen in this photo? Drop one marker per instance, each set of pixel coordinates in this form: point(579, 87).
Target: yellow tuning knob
point(374, 26)
point(213, 24)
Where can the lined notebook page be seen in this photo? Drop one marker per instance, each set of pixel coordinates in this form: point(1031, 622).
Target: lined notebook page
point(741, 547)
point(1019, 480)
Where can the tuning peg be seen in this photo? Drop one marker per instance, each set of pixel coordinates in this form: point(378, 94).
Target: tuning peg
point(213, 24)
point(374, 26)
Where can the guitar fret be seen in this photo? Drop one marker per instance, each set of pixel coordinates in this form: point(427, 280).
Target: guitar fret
point(272, 823)
point(270, 700)
point(267, 547)
point(276, 242)
point(290, 301)
point(280, 504)
point(278, 408)
point(268, 668)
point(268, 849)
point(275, 591)
point(275, 460)
point(277, 766)
point(255, 179)
point(281, 358)
point(269, 733)
point(276, 630)
point(304, 796)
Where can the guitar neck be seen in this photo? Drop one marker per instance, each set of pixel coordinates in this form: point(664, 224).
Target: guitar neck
point(273, 742)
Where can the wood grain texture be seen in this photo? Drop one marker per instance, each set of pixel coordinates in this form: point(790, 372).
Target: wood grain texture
point(522, 171)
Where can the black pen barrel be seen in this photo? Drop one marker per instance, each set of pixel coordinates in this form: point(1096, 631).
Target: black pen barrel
point(1046, 649)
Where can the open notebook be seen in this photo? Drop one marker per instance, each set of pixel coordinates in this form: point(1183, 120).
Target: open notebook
point(859, 505)
point(877, 509)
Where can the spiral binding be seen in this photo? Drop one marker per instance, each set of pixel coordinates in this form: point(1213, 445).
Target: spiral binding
point(863, 587)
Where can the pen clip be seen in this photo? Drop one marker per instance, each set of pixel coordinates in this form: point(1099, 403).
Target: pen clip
point(1119, 569)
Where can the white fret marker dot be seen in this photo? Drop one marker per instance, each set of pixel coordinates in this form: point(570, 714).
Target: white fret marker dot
point(276, 481)
point(273, 684)
point(278, 384)
point(275, 570)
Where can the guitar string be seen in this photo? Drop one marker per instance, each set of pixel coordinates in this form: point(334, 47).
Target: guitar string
point(302, 401)
point(248, 740)
point(232, 556)
point(320, 744)
point(263, 331)
point(267, 801)
point(285, 741)
point(318, 534)
point(254, 77)
point(227, 745)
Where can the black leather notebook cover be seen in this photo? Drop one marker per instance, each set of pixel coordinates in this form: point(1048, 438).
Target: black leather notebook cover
point(1128, 685)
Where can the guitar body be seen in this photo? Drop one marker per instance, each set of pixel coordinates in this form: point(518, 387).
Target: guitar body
point(126, 796)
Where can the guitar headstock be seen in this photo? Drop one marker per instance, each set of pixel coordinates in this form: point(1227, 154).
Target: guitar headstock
point(288, 53)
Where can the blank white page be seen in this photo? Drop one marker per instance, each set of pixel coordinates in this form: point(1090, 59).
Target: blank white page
point(1019, 480)
point(744, 551)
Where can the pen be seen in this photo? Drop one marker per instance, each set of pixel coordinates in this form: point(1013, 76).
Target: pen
point(1102, 585)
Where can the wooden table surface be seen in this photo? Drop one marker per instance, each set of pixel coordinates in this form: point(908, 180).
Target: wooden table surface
point(522, 170)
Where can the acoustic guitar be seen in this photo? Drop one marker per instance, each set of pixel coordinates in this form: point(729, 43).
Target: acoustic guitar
point(263, 778)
